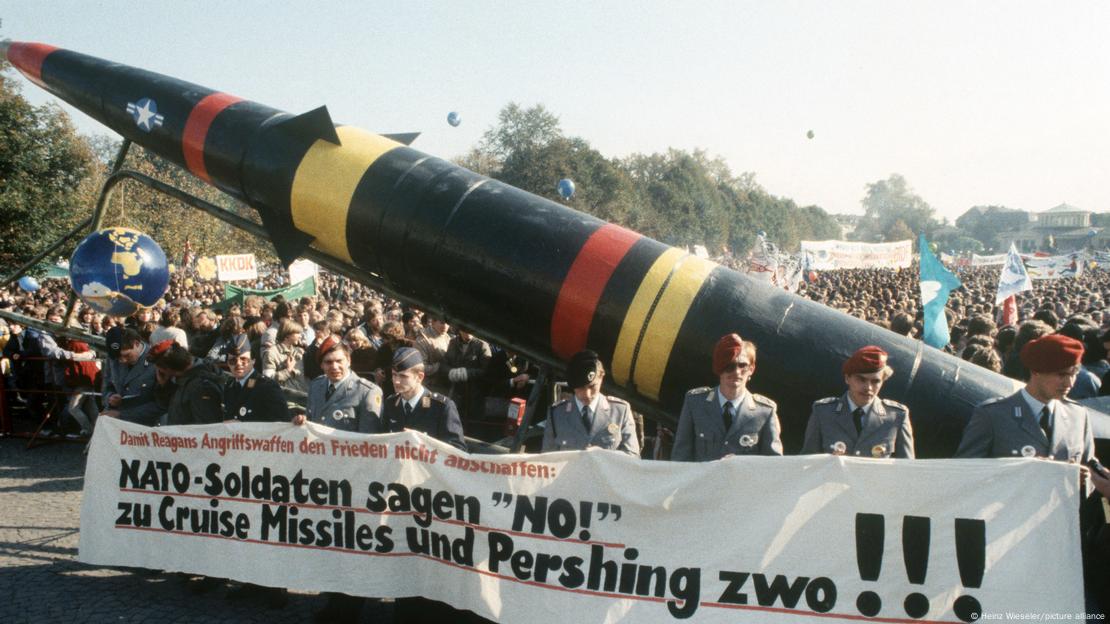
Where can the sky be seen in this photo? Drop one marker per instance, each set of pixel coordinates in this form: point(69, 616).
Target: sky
point(974, 103)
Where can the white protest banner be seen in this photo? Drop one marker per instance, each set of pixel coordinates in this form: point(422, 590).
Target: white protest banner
point(835, 254)
point(1054, 267)
point(301, 270)
point(587, 536)
point(237, 267)
point(995, 260)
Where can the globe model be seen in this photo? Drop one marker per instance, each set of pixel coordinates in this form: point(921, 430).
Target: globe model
point(116, 270)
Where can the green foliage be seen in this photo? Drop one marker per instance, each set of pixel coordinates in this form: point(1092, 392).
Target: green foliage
point(44, 166)
point(893, 212)
point(678, 197)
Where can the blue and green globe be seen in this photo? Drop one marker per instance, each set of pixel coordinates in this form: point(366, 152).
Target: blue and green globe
point(117, 270)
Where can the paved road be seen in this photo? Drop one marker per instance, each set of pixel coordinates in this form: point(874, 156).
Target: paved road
point(42, 582)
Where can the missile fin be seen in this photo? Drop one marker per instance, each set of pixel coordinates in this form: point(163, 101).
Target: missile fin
point(289, 242)
point(404, 138)
point(315, 124)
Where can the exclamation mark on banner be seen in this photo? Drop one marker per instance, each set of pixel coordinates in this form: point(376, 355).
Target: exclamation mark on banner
point(971, 557)
point(870, 535)
point(585, 513)
point(915, 552)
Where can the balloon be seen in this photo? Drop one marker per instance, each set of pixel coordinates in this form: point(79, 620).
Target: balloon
point(29, 283)
point(809, 135)
point(565, 188)
point(117, 270)
point(454, 118)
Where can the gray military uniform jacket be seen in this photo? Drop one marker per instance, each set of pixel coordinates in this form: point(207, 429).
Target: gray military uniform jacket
point(1007, 427)
point(136, 384)
point(611, 427)
point(887, 431)
point(356, 404)
point(701, 434)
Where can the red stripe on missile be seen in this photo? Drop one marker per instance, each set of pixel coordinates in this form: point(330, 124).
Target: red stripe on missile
point(196, 130)
point(28, 58)
point(582, 288)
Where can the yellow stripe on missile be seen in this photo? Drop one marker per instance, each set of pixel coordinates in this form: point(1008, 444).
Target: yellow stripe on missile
point(657, 311)
point(326, 181)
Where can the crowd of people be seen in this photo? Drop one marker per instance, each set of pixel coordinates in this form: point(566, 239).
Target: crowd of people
point(353, 359)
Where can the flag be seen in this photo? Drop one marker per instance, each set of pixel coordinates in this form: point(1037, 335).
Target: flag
point(1013, 279)
point(936, 283)
point(1008, 315)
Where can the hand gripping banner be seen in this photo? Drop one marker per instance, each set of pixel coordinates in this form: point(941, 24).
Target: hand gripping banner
point(592, 536)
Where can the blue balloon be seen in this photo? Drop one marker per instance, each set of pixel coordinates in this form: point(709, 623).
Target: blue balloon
point(454, 118)
point(29, 283)
point(565, 187)
point(116, 270)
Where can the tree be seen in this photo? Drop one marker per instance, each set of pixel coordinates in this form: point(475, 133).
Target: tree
point(44, 164)
point(891, 210)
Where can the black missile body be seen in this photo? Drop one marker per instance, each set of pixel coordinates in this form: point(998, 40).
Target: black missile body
point(518, 269)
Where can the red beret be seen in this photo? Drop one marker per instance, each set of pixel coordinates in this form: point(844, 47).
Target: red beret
point(329, 343)
point(869, 359)
point(1051, 353)
point(726, 351)
point(161, 348)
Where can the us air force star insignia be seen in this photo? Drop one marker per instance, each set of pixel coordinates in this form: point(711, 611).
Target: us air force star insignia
point(145, 114)
point(242, 411)
point(337, 414)
point(613, 428)
point(878, 450)
point(1028, 451)
point(747, 440)
point(839, 448)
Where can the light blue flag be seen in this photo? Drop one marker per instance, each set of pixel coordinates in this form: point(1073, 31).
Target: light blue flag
point(936, 283)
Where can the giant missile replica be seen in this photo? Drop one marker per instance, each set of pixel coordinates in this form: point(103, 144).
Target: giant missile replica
point(518, 269)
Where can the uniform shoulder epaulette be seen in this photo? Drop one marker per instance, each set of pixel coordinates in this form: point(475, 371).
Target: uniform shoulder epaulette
point(762, 400)
point(992, 401)
point(894, 404)
point(826, 400)
point(617, 400)
point(437, 397)
point(701, 390)
point(366, 382)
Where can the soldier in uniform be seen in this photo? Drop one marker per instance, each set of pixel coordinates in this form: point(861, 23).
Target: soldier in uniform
point(727, 420)
point(859, 422)
point(250, 397)
point(339, 398)
point(129, 379)
point(589, 418)
point(415, 407)
point(189, 387)
point(466, 360)
point(1038, 420)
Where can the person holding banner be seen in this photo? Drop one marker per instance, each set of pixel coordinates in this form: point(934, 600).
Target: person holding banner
point(590, 419)
point(129, 379)
point(727, 420)
point(1038, 420)
point(859, 422)
point(250, 396)
point(415, 407)
point(189, 387)
point(339, 398)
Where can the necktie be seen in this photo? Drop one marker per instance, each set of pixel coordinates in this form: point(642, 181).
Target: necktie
point(857, 419)
point(330, 391)
point(726, 416)
point(586, 418)
point(1046, 426)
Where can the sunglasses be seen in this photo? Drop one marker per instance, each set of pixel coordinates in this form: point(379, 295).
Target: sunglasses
point(738, 366)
